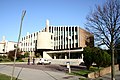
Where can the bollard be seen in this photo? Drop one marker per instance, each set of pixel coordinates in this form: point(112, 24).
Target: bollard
point(68, 66)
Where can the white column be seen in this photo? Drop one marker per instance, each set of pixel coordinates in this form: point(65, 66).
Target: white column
point(47, 25)
point(65, 37)
point(60, 37)
point(71, 36)
point(65, 56)
point(74, 36)
point(54, 56)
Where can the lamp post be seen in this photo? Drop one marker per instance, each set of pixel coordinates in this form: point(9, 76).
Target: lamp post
point(69, 46)
point(69, 56)
point(23, 14)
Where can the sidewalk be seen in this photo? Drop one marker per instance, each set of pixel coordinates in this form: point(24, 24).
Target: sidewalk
point(33, 74)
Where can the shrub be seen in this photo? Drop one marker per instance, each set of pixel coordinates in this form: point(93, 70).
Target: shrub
point(88, 57)
point(11, 55)
point(106, 59)
point(26, 54)
point(96, 55)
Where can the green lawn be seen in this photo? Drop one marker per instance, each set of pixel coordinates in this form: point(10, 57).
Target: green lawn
point(85, 72)
point(5, 77)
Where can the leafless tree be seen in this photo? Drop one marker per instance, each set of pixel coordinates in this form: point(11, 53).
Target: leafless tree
point(104, 23)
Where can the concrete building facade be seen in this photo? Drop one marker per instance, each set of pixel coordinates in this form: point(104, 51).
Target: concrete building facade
point(6, 46)
point(58, 42)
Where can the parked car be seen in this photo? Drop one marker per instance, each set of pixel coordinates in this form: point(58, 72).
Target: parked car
point(43, 61)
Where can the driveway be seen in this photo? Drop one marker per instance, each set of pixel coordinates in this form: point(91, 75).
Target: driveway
point(25, 72)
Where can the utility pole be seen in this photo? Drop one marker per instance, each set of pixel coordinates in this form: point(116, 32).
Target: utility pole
point(23, 14)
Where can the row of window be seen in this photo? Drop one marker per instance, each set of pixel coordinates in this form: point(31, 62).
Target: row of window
point(29, 43)
point(51, 28)
point(66, 46)
point(61, 37)
point(27, 49)
point(30, 36)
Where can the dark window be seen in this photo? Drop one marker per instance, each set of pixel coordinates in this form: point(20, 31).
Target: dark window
point(34, 41)
point(69, 28)
point(76, 36)
point(22, 39)
point(29, 36)
point(37, 33)
point(67, 46)
point(76, 44)
point(34, 34)
point(51, 37)
point(52, 29)
point(66, 28)
point(73, 45)
point(75, 29)
point(49, 29)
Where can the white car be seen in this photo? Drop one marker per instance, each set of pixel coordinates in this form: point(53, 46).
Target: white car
point(43, 61)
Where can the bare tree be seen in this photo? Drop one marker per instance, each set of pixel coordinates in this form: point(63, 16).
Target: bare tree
point(104, 23)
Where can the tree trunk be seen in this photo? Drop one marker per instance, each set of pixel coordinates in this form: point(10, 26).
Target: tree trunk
point(112, 67)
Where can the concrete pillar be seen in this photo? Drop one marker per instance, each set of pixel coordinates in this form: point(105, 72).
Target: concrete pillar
point(47, 25)
point(65, 56)
point(54, 56)
point(82, 56)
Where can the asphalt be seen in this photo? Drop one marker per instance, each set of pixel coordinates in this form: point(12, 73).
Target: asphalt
point(36, 74)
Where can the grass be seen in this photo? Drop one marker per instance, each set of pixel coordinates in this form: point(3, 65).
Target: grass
point(5, 77)
point(85, 72)
point(81, 72)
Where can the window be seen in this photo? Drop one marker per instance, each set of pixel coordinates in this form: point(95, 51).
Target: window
point(51, 37)
point(49, 29)
point(37, 33)
point(34, 34)
point(22, 39)
point(76, 44)
point(76, 36)
point(29, 36)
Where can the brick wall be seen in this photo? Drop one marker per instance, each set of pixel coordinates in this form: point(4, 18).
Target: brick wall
point(102, 72)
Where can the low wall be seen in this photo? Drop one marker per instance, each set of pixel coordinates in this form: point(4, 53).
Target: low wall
point(102, 72)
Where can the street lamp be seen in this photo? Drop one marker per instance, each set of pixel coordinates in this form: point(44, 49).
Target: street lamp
point(69, 37)
point(23, 14)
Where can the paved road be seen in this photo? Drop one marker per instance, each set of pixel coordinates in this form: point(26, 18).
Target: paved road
point(35, 74)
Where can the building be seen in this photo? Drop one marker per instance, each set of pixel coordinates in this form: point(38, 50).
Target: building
point(57, 42)
point(6, 46)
